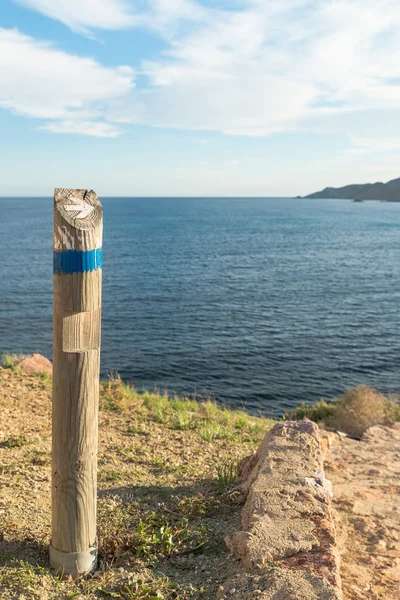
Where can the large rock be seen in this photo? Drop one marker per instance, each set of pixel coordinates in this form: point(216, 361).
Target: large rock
point(287, 518)
point(35, 364)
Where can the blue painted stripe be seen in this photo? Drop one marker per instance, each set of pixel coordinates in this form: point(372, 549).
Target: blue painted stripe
point(77, 261)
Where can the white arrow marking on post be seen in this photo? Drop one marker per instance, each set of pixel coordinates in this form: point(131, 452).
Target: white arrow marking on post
point(83, 208)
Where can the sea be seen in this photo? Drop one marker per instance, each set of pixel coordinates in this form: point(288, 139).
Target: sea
point(259, 303)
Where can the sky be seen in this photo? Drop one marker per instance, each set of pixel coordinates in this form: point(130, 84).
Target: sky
point(198, 97)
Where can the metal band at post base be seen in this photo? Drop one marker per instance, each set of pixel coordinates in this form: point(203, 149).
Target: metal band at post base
point(74, 563)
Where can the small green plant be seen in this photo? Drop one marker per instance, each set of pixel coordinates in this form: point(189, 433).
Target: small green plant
point(318, 412)
point(211, 409)
point(150, 538)
point(8, 361)
point(23, 576)
point(196, 506)
point(45, 379)
point(137, 428)
point(227, 474)
point(159, 406)
point(242, 420)
point(15, 441)
point(182, 421)
point(116, 395)
point(137, 588)
point(36, 457)
point(184, 405)
point(11, 361)
point(210, 430)
point(111, 475)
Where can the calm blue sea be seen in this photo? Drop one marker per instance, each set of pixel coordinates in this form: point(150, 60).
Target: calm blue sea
point(262, 303)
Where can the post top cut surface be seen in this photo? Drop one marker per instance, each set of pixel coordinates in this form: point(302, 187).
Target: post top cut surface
point(79, 208)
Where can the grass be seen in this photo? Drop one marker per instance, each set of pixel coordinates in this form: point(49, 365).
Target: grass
point(8, 361)
point(319, 412)
point(227, 473)
point(115, 395)
point(45, 379)
point(205, 417)
point(11, 361)
point(137, 589)
point(132, 532)
point(14, 441)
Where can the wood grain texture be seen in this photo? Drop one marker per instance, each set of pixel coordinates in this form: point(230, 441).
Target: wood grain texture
point(81, 331)
point(76, 369)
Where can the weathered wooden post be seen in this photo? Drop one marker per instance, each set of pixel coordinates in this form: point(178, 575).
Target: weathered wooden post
point(78, 230)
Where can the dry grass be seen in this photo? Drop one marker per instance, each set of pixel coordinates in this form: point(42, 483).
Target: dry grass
point(165, 498)
point(353, 413)
point(361, 408)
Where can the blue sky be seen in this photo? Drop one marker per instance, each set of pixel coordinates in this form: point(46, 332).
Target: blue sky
point(194, 97)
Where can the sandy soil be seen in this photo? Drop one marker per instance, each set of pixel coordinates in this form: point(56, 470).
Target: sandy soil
point(366, 485)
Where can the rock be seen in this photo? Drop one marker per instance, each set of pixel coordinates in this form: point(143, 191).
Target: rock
point(287, 516)
point(328, 440)
point(35, 364)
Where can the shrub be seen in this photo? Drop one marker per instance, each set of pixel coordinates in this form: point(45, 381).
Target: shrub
point(320, 411)
point(11, 361)
point(361, 407)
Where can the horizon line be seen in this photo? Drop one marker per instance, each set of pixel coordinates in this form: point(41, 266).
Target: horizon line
point(167, 197)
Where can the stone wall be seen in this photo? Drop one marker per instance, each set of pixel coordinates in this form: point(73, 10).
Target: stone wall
point(286, 545)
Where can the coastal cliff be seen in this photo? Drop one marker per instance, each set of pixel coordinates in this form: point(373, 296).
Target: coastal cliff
point(178, 476)
point(388, 192)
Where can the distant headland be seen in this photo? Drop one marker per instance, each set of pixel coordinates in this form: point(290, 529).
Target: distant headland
point(387, 192)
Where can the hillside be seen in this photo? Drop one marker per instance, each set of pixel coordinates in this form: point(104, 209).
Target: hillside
point(389, 192)
point(168, 494)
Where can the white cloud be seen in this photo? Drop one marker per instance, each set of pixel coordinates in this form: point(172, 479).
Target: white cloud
point(92, 128)
point(40, 81)
point(274, 67)
point(85, 15)
point(255, 69)
point(372, 145)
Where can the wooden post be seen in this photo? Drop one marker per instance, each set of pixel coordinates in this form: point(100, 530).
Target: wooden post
point(78, 230)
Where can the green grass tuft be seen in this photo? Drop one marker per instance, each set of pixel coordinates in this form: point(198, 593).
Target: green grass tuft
point(227, 473)
point(321, 411)
point(209, 420)
point(8, 361)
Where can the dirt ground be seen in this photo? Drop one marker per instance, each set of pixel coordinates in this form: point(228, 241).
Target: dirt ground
point(162, 515)
point(366, 484)
point(165, 506)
